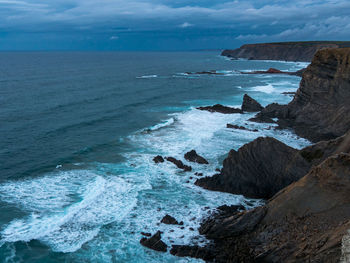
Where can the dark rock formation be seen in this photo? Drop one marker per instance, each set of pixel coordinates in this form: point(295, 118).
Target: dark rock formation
point(211, 72)
point(287, 51)
point(250, 105)
point(192, 156)
point(305, 222)
point(264, 166)
point(169, 220)
point(237, 127)
point(221, 109)
point(179, 164)
point(154, 242)
point(320, 108)
point(192, 251)
point(158, 159)
point(259, 169)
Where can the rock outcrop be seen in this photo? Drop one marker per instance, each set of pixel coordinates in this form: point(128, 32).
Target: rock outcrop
point(305, 222)
point(192, 156)
point(154, 242)
point(258, 169)
point(221, 109)
point(321, 106)
point(158, 159)
point(179, 164)
point(250, 105)
point(169, 220)
point(264, 166)
point(287, 51)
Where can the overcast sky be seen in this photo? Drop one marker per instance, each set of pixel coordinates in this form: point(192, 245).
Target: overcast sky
point(167, 24)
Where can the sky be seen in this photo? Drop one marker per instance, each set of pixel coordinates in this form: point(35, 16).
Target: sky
point(167, 24)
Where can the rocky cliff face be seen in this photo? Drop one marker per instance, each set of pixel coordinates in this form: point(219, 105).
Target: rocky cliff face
point(288, 51)
point(321, 106)
point(305, 222)
point(264, 166)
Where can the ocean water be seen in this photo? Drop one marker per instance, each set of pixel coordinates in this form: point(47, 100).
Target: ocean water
point(78, 133)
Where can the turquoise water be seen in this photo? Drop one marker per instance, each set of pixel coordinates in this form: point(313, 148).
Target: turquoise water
point(79, 131)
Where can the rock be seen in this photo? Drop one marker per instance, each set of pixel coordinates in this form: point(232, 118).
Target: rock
point(305, 222)
point(287, 51)
point(250, 105)
point(319, 110)
point(233, 126)
point(192, 156)
point(179, 164)
point(258, 169)
point(154, 242)
point(261, 168)
point(231, 209)
point(211, 72)
point(192, 251)
point(146, 234)
point(221, 109)
point(167, 219)
point(158, 159)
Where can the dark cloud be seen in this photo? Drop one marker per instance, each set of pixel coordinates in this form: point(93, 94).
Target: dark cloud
point(105, 21)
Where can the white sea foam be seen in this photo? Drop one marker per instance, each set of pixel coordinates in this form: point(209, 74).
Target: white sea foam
point(66, 209)
point(266, 89)
point(147, 77)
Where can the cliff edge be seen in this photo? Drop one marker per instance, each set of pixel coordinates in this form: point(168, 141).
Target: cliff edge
point(287, 51)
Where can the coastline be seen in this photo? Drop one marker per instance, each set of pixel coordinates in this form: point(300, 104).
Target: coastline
point(234, 224)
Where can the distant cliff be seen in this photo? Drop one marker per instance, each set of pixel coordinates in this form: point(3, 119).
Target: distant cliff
point(286, 51)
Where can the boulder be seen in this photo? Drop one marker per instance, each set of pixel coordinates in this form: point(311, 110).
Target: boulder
point(192, 156)
point(158, 159)
point(169, 220)
point(154, 242)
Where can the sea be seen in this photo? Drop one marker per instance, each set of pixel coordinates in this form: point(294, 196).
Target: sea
point(79, 130)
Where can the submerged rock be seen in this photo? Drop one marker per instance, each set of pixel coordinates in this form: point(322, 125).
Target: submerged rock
point(233, 126)
point(192, 156)
point(179, 164)
point(154, 242)
point(221, 109)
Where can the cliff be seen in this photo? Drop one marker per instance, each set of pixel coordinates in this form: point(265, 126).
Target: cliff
point(321, 106)
point(305, 222)
point(287, 51)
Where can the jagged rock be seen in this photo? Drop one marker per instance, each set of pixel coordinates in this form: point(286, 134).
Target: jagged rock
point(221, 109)
point(179, 164)
point(154, 242)
point(320, 108)
point(250, 105)
point(258, 169)
point(158, 159)
point(305, 222)
point(264, 166)
point(169, 220)
point(192, 156)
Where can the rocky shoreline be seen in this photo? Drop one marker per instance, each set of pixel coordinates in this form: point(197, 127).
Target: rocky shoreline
point(307, 213)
